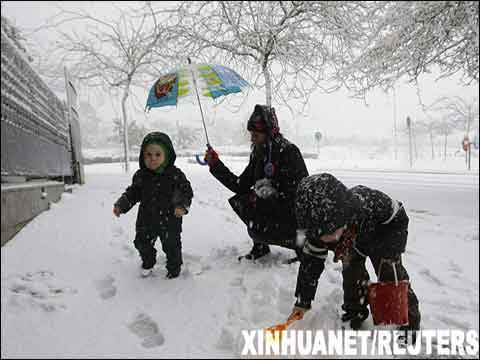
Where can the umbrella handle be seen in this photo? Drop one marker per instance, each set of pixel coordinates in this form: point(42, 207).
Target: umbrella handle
point(199, 160)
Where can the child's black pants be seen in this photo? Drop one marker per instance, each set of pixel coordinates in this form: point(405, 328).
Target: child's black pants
point(171, 246)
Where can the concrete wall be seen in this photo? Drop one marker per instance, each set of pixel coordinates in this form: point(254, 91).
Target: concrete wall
point(22, 202)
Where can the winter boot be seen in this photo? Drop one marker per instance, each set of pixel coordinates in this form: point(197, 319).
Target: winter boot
point(408, 333)
point(258, 250)
point(355, 316)
point(173, 274)
point(146, 272)
point(407, 336)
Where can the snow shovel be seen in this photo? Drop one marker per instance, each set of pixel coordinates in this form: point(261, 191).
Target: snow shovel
point(280, 327)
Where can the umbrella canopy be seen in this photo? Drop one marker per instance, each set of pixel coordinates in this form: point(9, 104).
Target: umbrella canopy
point(212, 81)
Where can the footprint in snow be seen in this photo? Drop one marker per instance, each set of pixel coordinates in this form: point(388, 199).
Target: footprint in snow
point(230, 340)
point(129, 250)
point(38, 289)
point(228, 252)
point(236, 282)
point(117, 231)
point(106, 288)
point(422, 212)
point(194, 264)
point(226, 340)
point(453, 323)
point(147, 329)
point(429, 276)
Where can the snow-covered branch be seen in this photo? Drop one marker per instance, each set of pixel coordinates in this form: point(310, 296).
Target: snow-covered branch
point(290, 49)
point(115, 53)
point(416, 37)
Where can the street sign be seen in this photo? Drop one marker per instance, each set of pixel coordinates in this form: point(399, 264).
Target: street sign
point(465, 143)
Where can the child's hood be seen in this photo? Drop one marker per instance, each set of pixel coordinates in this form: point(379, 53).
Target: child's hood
point(158, 137)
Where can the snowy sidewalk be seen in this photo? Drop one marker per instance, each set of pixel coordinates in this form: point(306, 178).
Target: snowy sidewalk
point(71, 285)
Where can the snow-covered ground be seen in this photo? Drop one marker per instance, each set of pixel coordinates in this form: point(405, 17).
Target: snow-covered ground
point(71, 286)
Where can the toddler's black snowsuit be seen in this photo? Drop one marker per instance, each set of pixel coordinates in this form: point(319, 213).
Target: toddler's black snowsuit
point(158, 195)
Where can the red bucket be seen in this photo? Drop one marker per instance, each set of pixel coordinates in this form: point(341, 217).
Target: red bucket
point(389, 302)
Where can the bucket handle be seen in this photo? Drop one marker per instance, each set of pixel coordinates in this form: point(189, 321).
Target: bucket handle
point(393, 263)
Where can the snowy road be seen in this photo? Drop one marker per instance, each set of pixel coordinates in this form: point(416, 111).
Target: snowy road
point(70, 284)
point(455, 195)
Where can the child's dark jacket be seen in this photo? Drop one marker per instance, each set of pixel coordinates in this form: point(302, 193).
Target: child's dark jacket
point(158, 194)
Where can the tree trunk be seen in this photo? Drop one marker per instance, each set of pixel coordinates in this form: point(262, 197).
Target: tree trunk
point(177, 126)
point(125, 127)
point(431, 142)
point(470, 157)
point(445, 148)
point(268, 83)
point(395, 144)
point(414, 135)
point(467, 135)
point(410, 156)
point(469, 120)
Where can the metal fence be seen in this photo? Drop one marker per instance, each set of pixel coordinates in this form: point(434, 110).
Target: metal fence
point(35, 130)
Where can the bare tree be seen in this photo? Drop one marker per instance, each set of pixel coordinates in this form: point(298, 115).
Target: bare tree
point(113, 54)
point(427, 127)
point(89, 124)
point(135, 132)
point(445, 127)
point(461, 113)
point(458, 113)
point(441, 124)
point(414, 37)
point(288, 48)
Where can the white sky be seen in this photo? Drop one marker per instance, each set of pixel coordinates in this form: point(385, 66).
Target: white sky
point(335, 115)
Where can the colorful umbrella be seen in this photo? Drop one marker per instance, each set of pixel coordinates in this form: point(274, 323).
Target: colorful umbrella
point(213, 81)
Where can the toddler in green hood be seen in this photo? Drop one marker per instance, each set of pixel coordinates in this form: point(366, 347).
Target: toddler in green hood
point(157, 152)
point(165, 196)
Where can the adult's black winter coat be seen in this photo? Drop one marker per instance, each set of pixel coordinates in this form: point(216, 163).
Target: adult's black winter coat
point(272, 217)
